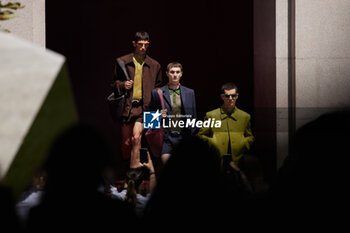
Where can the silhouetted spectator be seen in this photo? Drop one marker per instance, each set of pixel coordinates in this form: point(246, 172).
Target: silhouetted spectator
point(189, 190)
point(313, 179)
point(75, 166)
point(8, 217)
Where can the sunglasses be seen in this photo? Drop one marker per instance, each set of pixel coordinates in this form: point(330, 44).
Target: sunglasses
point(227, 96)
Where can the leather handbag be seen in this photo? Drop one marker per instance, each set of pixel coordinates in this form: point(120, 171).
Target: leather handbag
point(116, 106)
point(116, 101)
point(155, 137)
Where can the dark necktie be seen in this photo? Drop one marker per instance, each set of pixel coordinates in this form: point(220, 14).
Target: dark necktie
point(174, 93)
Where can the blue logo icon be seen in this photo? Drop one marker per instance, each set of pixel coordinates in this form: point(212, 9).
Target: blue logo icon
point(151, 120)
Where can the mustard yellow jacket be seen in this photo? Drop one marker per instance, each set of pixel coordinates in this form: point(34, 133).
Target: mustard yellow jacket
point(235, 128)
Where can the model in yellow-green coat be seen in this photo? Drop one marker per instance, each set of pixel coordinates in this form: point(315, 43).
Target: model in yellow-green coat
point(235, 135)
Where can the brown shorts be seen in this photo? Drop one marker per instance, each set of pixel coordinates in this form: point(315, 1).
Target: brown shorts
point(136, 115)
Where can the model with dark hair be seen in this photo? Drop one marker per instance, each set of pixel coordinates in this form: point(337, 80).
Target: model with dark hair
point(235, 135)
point(145, 74)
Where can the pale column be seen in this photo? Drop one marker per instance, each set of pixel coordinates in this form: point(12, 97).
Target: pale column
point(282, 80)
point(322, 62)
point(322, 57)
point(30, 21)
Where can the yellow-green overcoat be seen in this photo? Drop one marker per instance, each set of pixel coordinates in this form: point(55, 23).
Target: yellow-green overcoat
point(235, 128)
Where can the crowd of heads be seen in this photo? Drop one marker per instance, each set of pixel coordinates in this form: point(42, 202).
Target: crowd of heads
point(194, 186)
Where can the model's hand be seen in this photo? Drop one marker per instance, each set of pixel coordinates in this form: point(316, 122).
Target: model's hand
point(164, 112)
point(149, 164)
point(234, 166)
point(128, 84)
point(237, 169)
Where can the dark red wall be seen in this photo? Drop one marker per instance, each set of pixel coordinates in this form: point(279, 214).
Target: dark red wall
point(265, 85)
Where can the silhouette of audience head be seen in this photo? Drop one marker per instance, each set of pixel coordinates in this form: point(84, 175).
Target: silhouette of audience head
point(8, 215)
point(75, 168)
point(77, 159)
point(189, 185)
point(194, 166)
point(313, 176)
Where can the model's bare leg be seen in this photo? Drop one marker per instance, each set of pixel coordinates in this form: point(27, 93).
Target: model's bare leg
point(165, 157)
point(136, 144)
point(126, 131)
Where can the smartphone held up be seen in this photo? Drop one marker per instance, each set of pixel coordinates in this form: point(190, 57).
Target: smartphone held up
point(143, 155)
